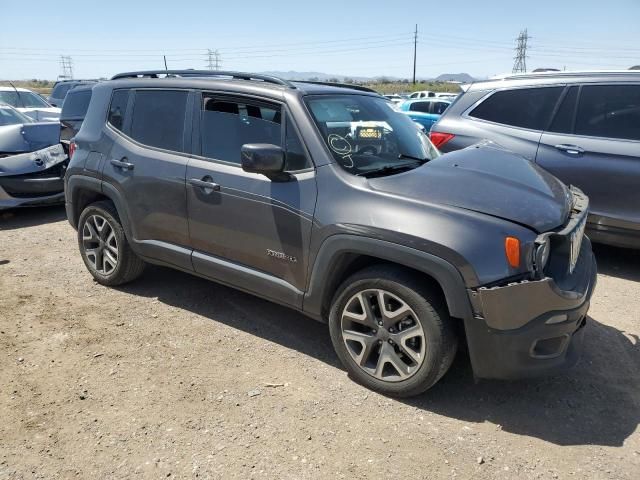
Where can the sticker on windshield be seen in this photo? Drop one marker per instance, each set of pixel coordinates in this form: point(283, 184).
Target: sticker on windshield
point(342, 147)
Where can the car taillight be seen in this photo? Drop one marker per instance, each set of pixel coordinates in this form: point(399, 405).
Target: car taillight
point(439, 138)
point(72, 148)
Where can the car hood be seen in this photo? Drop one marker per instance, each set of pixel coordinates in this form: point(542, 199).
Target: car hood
point(44, 114)
point(28, 137)
point(488, 180)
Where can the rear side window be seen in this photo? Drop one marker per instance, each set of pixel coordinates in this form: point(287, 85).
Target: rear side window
point(61, 90)
point(423, 107)
point(226, 125)
point(611, 111)
point(524, 107)
point(158, 118)
point(118, 108)
point(563, 121)
point(76, 104)
point(439, 107)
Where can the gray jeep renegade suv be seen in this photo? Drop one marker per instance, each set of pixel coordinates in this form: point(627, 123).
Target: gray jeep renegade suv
point(325, 199)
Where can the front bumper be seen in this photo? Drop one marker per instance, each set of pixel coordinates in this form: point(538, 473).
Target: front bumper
point(531, 328)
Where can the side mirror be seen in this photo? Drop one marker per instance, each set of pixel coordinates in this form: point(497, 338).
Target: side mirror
point(266, 159)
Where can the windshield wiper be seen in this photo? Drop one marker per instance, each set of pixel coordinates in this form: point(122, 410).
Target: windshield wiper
point(411, 157)
point(391, 168)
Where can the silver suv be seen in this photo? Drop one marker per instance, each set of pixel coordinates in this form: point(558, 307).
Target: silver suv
point(582, 127)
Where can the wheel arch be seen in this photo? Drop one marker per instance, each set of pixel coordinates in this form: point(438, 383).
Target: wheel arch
point(342, 255)
point(82, 191)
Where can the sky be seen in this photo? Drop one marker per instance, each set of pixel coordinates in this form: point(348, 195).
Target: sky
point(353, 38)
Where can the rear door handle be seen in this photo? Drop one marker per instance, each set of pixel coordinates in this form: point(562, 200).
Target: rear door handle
point(123, 164)
point(206, 184)
point(570, 149)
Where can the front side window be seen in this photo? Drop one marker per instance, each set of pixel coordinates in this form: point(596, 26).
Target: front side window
point(524, 107)
point(158, 118)
point(227, 124)
point(610, 111)
point(118, 108)
point(367, 137)
point(22, 99)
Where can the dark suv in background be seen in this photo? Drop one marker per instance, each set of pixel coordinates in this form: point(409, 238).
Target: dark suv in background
point(329, 201)
point(61, 88)
point(584, 128)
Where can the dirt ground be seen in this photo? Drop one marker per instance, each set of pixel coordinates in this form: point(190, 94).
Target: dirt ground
point(174, 376)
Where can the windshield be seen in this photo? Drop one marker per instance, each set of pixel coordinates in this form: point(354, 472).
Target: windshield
point(367, 136)
point(9, 116)
point(24, 100)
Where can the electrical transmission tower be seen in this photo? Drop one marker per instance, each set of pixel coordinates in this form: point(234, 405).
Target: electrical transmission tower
point(214, 61)
point(520, 64)
point(67, 68)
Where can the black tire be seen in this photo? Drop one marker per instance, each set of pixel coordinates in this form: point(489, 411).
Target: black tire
point(129, 266)
point(440, 339)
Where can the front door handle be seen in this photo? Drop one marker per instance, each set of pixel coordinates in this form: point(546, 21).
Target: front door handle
point(570, 149)
point(123, 164)
point(206, 184)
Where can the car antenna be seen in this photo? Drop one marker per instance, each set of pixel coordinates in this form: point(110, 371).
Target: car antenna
point(165, 62)
point(17, 93)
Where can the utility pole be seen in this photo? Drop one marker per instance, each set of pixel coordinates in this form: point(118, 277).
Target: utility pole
point(520, 63)
point(67, 67)
point(415, 50)
point(213, 60)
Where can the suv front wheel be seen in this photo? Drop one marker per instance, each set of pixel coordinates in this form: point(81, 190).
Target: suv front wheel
point(391, 333)
point(104, 247)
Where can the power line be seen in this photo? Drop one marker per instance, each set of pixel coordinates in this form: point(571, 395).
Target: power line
point(520, 64)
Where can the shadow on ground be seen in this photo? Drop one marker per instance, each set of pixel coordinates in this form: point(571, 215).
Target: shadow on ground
point(598, 402)
point(30, 217)
point(618, 262)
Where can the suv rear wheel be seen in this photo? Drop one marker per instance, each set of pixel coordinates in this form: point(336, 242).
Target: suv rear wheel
point(104, 247)
point(392, 334)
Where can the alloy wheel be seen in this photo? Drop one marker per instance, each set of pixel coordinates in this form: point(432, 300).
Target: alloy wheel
point(100, 244)
point(383, 335)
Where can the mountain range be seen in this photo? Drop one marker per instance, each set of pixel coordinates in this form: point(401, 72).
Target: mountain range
point(324, 77)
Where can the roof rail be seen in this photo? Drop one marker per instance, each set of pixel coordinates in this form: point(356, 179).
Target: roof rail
point(204, 73)
point(337, 84)
point(561, 73)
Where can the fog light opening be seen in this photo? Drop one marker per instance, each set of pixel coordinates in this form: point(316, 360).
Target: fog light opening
point(549, 347)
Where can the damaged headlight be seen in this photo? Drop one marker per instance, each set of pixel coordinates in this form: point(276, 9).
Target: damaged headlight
point(541, 255)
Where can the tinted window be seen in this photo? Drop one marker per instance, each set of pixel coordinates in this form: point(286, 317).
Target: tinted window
point(118, 108)
point(611, 111)
point(439, 107)
point(524, 107)
point(563, 121)
point(295, 156)
point(227, 125)
point(158, 118)
point(75, 104)
point(61, 90)
point(22, 99)
point(424, 107)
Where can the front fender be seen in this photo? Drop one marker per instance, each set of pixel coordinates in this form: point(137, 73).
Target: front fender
point(335, 246)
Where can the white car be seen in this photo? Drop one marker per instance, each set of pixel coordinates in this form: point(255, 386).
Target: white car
point(29, 103)
point(422, 94)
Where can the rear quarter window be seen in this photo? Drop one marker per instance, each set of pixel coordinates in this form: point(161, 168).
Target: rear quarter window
point(523, 107)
